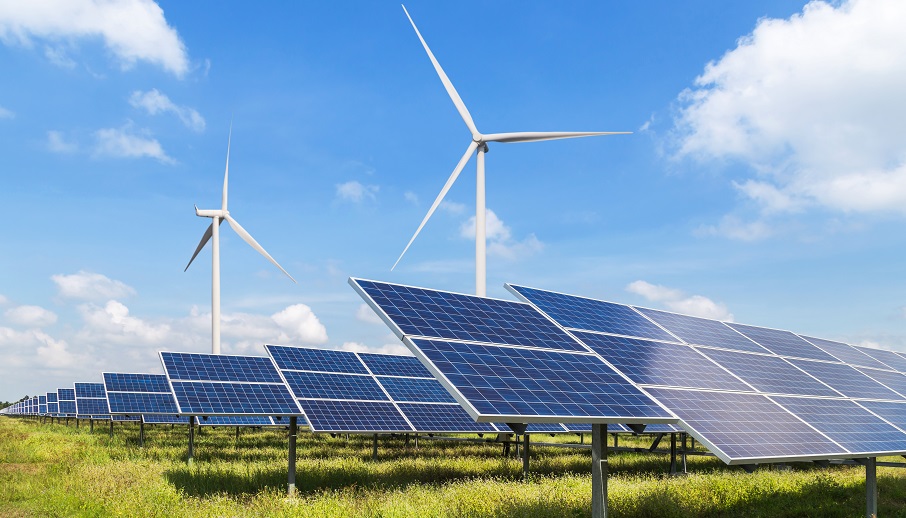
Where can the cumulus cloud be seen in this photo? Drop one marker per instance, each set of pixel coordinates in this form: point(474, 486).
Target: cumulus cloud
point(37, 349)
point(155, 102)
point(132, 30)
point(6, 114)
point(500, 242)
point(122, 143)
point(56, 143)
point(31, 316)
point(91, 286)
point(356, 192)
point(112, 324)
point(812, 105)
point(676, 300)
point(366, 314)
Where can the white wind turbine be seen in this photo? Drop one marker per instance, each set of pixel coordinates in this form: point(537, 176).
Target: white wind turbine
point(480, 144)
point(213, 231)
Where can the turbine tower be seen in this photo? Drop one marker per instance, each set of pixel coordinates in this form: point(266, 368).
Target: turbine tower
point(213, 234)
point(479, 144)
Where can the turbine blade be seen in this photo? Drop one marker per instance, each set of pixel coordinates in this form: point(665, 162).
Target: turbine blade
point(204, 240)
point(454, 95)
point(537, 136)
point(254, 244)
point(226, 174)
point(440, 197)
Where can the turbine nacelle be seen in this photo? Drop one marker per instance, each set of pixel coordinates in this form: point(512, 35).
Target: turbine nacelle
point(222, 214)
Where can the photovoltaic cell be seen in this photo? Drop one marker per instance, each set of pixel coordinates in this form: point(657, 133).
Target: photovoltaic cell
point(394, 365)
point(540, 428)
point(889, 358)
point(309, 359)
point(592, 315)
point(847, 424)
point(354, 416)
point(846, 353)
point(127, 382)
point(67, 407)
point(92, 406)
point(51, 397)
point(783, 343)
point(431, 417)
point(237, 420)
point(702, 331)
point(846, 380)
point(430, 313)
point(659, 363)
point(506, 382)
point(206, 398)
point(141, 403)
point(211, 367)
point(745, 427)
point(893, 380)
point(308, 385)
point(894, 413)
point(89, 390)
point(165, 419)
point(770, 373)
point(66, 394)
point(416, 390)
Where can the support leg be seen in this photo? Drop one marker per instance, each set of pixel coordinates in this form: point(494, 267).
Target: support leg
point(111, 428)
point(91, 425)
point(141, 434)
point(416, 441)
point(374, 450)
point(291, 477)
point(685, 436)
point(616, 441)
point(517, 445)
point(525, 456)
point(672, 454)
point(599, 470)
point(191, 458)
point(871, 487)
point(237, 434)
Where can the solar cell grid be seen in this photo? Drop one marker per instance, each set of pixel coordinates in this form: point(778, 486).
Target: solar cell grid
point(783, 343)
point(702, 331)
point(53, 408)
point(354, 416)
point(206, 398)
point(846, 353)
point(165, 419)
point(847, 424)
point(141, 403)
point(769, 373)
point(89, 390)
point(892, 380)
point(659, 363)
point(67, 407)
point(894, 413)
point(889, 358)
point(393, 365)
point(428, 313)
point(236, 420)
point(846, 380)
point(210, 367)
point(416, 390)
point(51, 397)
point(128, 382)
point(42, 400)
point(310, 359)
point(66, 394)
point(92, 406)
point(432, 417)
point(592, 315)
point(334, 386)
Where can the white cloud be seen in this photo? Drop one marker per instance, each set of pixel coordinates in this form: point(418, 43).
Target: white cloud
point(732, 227)
point(56, 143)
point(366, 314)
point(452, 207)
point(500, 242)
point(411, 197)
point(356, 192)
point(812, 104)
point(6, 114)
point(676, 300)
point(57, 56)
point(120, 143)
point(397, 349)
point(3, 300)
point(31, 316)
point(35, 349)
point(91, 286)
point(155, 102)
point(112, 324)
point(298, 322)
point(132, 30)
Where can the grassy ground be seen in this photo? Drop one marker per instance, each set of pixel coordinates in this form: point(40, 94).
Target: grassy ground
point(57, 470)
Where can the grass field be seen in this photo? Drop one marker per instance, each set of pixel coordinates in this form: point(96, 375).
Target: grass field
point(57, 470)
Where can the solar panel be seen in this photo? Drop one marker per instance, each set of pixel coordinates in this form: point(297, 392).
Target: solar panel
point(420, 390)
point(592, 315)
point(889, 358)
point(354, 416)
point(394, 365)
point(165, 419)
point(846, 380)
point(316, 385)
point(139, 393)
point(91, 400)
point(659, 363)
point(783, 343)
point(846, 353)
point(127, 418)
point(702, 331)
point(208, 384)
point(51, 397)
point(238, 420)
point(892, 380)
point(66, 401)
point(893, 413)
point(437, 314)
point(847, 424)
point(769, 373)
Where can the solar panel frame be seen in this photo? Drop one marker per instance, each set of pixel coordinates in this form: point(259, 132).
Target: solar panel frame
point(782, 342)
point(702, 331)
point(771, 374)
point(892, 359)
point(131, 393)
point(845, 353)
point(846, 380)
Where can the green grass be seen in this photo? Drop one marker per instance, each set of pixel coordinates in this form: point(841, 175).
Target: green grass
point(57, 470)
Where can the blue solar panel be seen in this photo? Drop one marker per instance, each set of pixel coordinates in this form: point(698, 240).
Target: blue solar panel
point(783, 343)
point(889, 358)
point(659, 363)
point(51, 397)
point(702, 331)
point(89, 390)
point(210, 367)
point(507, 382)
point(847, 424)
point(431, 417)
point(126, 382)
point(53, 408)
point(141, 403)
point(309, 359)
point(744, 427)
point(316, 385)
point(894, 413)
point(416, 390)
point(206, 398)
point(127, 418)
point(67, 407)
point(770, 373)
point(846, 353)
point(592, 315)
point(354, 416)
point(892, 380)
point(91, 406)
point(430, 313)
point(543, 428)
point(42, 400)
point(237, 420)
point(165, 419)
point(846, 380)
point(393, 365)
point(66, 394)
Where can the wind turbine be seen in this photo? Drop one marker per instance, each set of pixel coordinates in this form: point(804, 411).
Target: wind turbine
point(480, 144)
point(213, 231)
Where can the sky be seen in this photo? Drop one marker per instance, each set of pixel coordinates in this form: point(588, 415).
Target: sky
point(764, 181)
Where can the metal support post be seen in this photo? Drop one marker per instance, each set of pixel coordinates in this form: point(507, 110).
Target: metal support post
point(599, 470)
point(517, 445)
point(684, 436)
point(237, 433)
point(525, 457)
point(374, 450)
point(191, 458)
point(111, 428)
point(616, 441)
point(416, 441)
point(407, 440)
point(141, 434)
point(291, 477)
point(871, 487)
point(657, 440)
point(91, 425)
point(672, 454)
point(76, 422)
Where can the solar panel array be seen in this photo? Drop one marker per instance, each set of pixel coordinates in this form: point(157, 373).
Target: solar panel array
point(91, 401)
point(506, 362)
point(209, 385)
point(67, 402)
point(53, 408)
point(749, 393)
point(350, 392)
point(138, 394)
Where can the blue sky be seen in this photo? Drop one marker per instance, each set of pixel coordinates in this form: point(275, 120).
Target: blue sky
point(765, 180)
